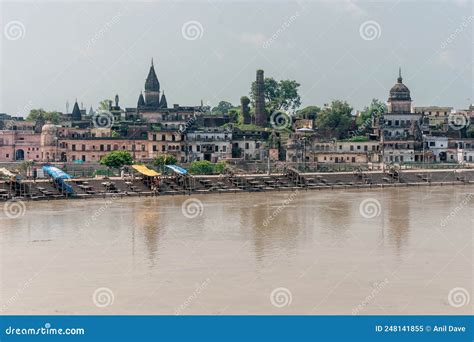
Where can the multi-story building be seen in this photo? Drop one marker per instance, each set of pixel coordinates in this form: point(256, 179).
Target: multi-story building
point(208, 144)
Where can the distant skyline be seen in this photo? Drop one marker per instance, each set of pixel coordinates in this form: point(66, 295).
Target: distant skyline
point(53, 52)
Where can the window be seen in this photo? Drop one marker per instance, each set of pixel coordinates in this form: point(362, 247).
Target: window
point(352, 147)
point(101, 147)
point(432, 143)
point(163, 137)
point(173, 138)
point(366, 148)
point(154, 137)
point(246, 146)
point(224, 148)
point(108, 147)
point(83, 147)
point(73, 147)
point(163, 148)
point(143, 148)
point(154, 148)
point(353, 159)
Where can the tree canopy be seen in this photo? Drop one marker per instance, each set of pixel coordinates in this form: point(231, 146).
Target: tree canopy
point(278, 95)
point(204, 167)
point(104, 105)
point(309, 112)
point(375, 109)
point(40, 115)
point(335, 120)
point(164, 159)
point(222, 108)
point(117, 159)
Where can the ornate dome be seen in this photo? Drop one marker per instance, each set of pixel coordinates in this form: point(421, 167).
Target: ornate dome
point(399, 91)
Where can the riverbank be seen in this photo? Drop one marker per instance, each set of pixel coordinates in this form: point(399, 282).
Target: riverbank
point(291, 180)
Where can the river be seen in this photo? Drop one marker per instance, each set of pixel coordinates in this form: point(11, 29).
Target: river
point(390, 251)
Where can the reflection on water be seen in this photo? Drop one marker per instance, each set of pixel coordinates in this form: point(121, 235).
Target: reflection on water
point(315, 243)
point(398, 216)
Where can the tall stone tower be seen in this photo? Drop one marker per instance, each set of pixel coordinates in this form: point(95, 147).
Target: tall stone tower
point(152, 88)
point(260, 114)
point(245, 110)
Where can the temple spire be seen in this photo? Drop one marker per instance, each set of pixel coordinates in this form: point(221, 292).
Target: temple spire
point(151, 61)
point(399, 75)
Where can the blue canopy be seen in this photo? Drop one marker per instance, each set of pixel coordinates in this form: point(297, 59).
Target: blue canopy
point(56, 173)
point(59, 176)
point(177, 169)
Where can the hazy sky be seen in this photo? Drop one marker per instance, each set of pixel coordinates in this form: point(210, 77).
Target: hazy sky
point(52, 52)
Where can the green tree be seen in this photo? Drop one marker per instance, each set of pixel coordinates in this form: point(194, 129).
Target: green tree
point(222, 108)
point(201, 167)
point(204, 167)
point(40, 115)
point(54, 117)
point(117, 159)
point(104, 105)
point(309, 112)
point(375, 109)
point(278, 95)
point(164, 159)
point(26, 165)
point(335, 120)
point(36, 115)
point(219, 167)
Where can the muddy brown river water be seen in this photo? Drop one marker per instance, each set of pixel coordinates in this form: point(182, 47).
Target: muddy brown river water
point(391, 251)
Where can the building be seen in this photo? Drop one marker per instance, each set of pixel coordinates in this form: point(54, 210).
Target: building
point(208, 144)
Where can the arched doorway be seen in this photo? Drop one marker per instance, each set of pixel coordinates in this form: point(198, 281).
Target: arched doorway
point(20, 155)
